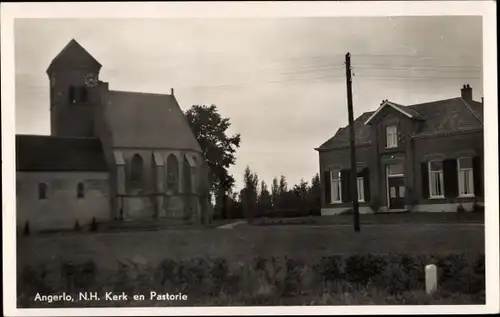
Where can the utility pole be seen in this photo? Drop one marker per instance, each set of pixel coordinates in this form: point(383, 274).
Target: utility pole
point(354, 180)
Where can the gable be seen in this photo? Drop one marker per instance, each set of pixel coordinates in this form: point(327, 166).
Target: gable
point(388, 106)
point(390, 116)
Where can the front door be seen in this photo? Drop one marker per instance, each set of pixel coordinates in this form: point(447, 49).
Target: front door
point(396, 192)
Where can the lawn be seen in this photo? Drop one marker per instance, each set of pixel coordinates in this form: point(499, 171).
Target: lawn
point(382, 218)
point(139, 261)
point(246, 242)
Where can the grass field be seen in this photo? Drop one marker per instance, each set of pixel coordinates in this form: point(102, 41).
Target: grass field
point(144, 253)
point(246, 242)
point(382, 218)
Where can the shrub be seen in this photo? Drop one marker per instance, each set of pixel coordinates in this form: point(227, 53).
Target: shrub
point(93, 225)
point(375, 204)
point(361, 269)
point(79, 276)
point(282, 279)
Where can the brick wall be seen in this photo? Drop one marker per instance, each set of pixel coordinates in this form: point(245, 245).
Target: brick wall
point(339, 159)
point(446, 147)
point(411, 152)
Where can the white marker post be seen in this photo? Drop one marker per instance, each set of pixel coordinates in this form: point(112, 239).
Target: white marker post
point(430, 279)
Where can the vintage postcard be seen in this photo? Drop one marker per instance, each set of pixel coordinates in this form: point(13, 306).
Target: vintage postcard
point(249, 158)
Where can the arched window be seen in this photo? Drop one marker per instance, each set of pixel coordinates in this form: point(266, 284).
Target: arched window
point(42, 191)
point(80, 190)
point(172, 173)
point(136, 169)
point(187, 176)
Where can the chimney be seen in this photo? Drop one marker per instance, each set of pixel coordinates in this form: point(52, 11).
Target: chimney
point(172, 91)
point(467, 93)
point(482, 100)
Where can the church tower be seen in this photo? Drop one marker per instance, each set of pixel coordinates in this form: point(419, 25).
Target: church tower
point(74, 96)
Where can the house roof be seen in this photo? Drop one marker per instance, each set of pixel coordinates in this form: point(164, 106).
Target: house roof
point(361, 133)
point(74, 55)
point(49, 153)
point(148, 120)
point(436, 117)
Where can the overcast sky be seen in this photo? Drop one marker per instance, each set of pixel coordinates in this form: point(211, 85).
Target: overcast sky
point(280, 81)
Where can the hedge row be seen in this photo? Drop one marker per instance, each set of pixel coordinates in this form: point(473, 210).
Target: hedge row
point(284, 277)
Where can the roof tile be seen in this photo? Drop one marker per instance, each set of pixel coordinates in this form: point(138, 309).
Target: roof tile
point(437, 117)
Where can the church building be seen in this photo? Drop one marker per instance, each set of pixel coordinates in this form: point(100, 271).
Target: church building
point(110, 156)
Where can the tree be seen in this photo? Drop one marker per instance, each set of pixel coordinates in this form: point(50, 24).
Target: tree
point(274, 193)
point(315, 194)
point(249, 194)
point(264, 199)
point(282, 193)
point(210, 129)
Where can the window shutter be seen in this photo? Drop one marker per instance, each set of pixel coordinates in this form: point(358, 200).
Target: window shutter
point(366, 184)
point(450, 178)
point(328, 187)
point(83, 94)
point(478, 176)
point(71, 95)
point(345, 177)
point(424, 171)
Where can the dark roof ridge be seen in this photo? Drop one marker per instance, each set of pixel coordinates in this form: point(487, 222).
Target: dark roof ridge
point(431, 102)
point(140, 93)
point(58, 136)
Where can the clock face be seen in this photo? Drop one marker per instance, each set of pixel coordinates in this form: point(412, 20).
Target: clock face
point(91, 80)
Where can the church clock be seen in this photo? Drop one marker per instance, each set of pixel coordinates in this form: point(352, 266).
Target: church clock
point(91, 80)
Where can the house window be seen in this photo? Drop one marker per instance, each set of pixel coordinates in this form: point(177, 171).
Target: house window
point(436, 179)
point(395, 169)
point(72, 94)
point(361, 189)
point(392, 136)
point(336, 187)
point(172, 173)
point(80, 190)
point(136, 169)
point(465, 177)
point(42, 191)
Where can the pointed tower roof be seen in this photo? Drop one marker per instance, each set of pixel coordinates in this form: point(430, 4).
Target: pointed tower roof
point(73, 55)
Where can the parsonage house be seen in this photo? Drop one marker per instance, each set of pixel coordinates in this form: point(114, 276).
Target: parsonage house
point(111, 155)
point(426, 157)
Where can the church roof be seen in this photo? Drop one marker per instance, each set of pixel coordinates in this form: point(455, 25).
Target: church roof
point(74, 55)
point(149, 121)
point(49, 153)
